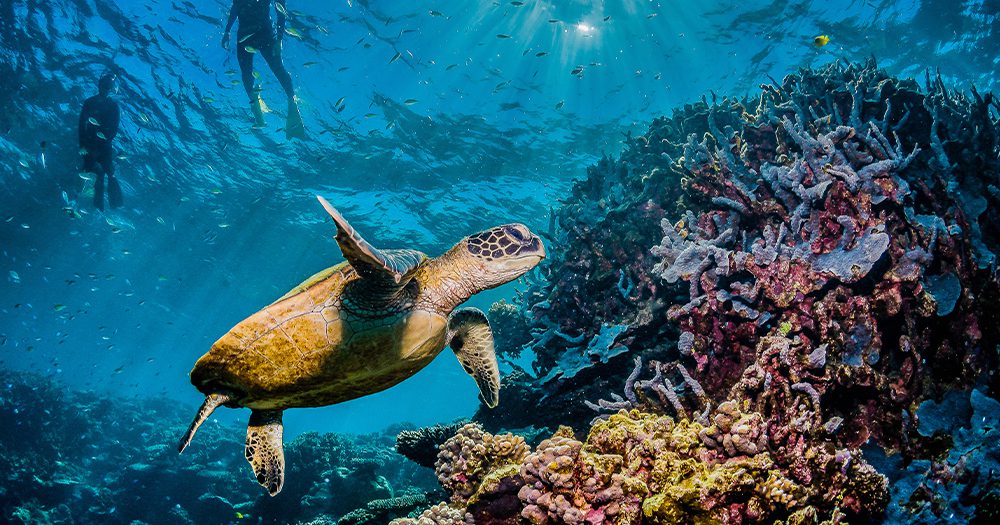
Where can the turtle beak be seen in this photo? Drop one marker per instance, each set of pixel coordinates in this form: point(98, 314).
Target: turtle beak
point(539, 247)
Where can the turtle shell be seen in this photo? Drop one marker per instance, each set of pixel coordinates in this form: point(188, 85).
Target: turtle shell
point(322, 343)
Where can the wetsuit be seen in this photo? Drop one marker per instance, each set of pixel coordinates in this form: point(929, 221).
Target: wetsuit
point(256, 32)
point(98, 127)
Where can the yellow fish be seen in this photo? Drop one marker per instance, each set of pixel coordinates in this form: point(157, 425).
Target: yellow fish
point(821, 40)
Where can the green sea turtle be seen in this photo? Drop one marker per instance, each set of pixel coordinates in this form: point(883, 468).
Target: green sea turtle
point(358, 328)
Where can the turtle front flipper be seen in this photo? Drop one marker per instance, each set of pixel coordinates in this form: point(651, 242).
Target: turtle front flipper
point(393, 266)
point(471, 338)
point(264, 450)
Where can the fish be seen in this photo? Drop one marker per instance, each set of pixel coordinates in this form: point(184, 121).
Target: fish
point(59, 307)
point(607, 18)
point(553, 20)
point(101, 136)
point(541, 53)
point(370, 115)
point(280, 8)
point(501, 35)
point(560, 104)
point(293, 32)
point(517, 3)
point(244, 39)
point(821, 40)
point(250, 49)
point(410, 101)
point(395, 57)
point(93, 121)
point(450, 67)
point(310, 63)
point(578, 70)
point(342, 69)
point(435, 13)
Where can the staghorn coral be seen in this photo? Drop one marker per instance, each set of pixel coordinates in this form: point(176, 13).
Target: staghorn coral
point(378, 511)
point(421, 445)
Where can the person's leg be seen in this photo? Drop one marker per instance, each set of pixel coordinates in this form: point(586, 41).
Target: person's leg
point(245, 59)
point(293, 122)
point(114, 189)
point(98, 171)
point(272, 55)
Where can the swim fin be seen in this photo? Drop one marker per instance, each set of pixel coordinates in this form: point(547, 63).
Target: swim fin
point(294, 129)
point(258, 114)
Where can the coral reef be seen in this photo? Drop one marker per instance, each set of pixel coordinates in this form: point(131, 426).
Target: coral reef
point(636, 468)
point(961, 484)
point(467, 458)
point(421, 445)
point(95, 460)
point(798, 271)
point(440, 514)
point(842, 206)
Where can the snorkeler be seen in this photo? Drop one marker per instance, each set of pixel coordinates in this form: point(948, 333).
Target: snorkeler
point(257, 35)
point(98, 127)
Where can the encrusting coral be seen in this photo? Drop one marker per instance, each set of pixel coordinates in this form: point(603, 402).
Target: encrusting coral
point(637, 467)
point(467, 458)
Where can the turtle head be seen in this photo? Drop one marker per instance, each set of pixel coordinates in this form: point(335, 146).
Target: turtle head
point(501, 254)
point(479, 262)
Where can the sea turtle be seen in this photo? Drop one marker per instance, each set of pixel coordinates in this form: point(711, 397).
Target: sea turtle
point(358, 328)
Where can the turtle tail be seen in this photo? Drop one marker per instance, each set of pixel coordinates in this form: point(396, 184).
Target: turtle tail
point(212, 401)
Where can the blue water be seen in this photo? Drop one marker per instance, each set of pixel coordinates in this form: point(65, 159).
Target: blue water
point(486, 116)
point(220, 220)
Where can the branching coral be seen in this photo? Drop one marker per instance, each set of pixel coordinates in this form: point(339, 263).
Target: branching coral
point(421, 445)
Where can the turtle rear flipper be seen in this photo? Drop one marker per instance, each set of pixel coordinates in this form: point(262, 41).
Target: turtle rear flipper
point(264, 450)
point(470, 336)
point(212, 401)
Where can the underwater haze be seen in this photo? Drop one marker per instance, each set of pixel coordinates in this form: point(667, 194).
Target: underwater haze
point(769, 228)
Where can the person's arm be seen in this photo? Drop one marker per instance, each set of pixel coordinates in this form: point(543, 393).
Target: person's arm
point(279, 8)
point(234, 13)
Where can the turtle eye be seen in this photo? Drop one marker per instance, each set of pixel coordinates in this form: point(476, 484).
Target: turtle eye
point(517, 233)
